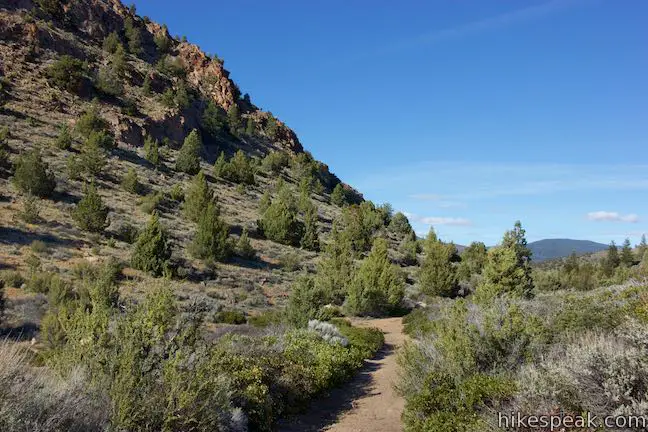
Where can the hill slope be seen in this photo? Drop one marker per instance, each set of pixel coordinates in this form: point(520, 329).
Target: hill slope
point(557, 248)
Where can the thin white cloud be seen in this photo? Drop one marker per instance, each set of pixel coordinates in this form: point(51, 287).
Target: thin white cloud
point(438, 220)
point(606, 216)
point(486, 24)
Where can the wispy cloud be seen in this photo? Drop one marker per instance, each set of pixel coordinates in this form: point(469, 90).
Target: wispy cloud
point(486, 24)
point(438, 220)
point(606, 216)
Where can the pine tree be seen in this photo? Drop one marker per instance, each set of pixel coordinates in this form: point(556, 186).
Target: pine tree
point(473, 260)
point(627, 257)
point(213, 119)
point(437, 275)
point(378, 286)
point(189, 157)
point(310, 239)
point(338, 196)
point(244, 248)
point(111, 42)
point(92, 158)
point(90, 213)
point(515, 239)
point(400, 224)
point(32, 175)
point(152, 251)
point(211, 240)
point(250, 127)
point(146, 85)
point(241, 169)
point(133, 36)
point(130, 182)
point(279, 222)
point(264, 202)
point(642, 247)
point(197, 198)
point(221, 166)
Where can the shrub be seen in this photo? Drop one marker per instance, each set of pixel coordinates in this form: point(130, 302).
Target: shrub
point(127, 233)
point(328, 332)
point(92, 160)
point(336, 268)
point(101, 139)
point(130, 182)
point(304, 302)
point(32, 175)
point(162, 42)
point(197, 197)
point(64, 138)
point(234, 121)
point(30, 211)
point(108, 81)
point(66, 73)
point(400, 224)
point(338, 196)
point(230, 317)
point(211, 240)
point(275, 161)
point(152, 202)
point(238, 170)
point(39, 247)
point(134, 36)
point(189, 157)
point(378, 286)
point(152, 250)
point(243, 247)
point(290, 261)
point(12, 279)
point(90, 213)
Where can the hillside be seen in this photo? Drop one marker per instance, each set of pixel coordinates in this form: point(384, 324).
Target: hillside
point(548, 249)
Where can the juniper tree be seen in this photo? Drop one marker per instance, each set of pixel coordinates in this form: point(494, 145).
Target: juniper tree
point(437, 275)
point(279, 222)
point(244, 248)
point(502, 275)
point(213, 119)
point(91, 121)
point(134, 36)
point(271, 127)
point(146, 85)
point(152, 151)
point(336, 267)
point(189, 156)
point(234, 119)
point(310, 238)
point(130, 182)
point(33, 176)
point(152, 251)
point(250, 126)
point(111, 42)
point(338, 196)
point(197, 197)
point(611, 260)
point(66, 73)
point(92, 159)
point(400, 224)
point(241, 169)
point(642, 247)
point(64, 139)
point(473, 259)
point(378, 286)
point(211, 240)
point(265, 202)
point(90, 213)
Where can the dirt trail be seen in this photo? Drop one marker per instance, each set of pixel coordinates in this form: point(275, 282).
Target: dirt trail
point(369, 403)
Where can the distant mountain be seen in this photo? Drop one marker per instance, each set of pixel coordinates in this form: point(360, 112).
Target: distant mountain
point(556, 248)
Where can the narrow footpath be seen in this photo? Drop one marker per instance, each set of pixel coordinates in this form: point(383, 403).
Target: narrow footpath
point(369, 402)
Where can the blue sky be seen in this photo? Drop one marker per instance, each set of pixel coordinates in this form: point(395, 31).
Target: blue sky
point(467, 115)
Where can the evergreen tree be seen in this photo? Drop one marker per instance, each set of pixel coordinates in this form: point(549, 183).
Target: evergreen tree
point(130, 182)
point(279, 222)
point(378, 286)
point(627, 257)
point(152, 250)
point(437, 275)
point(134, 36)
point(90, 213)
point(611, 261)
point(111, 42)
point(92, 158)
point(409, 248)
point(213, 119)
point(473, 260)
point(250, 126)
point(515, 240)
point(241, 170)
point(244, 248)
point(336, 267)
point(221, 166)
point(189, 157)
point(400, 224)
point(502, 275)
point(264, 202)
point(162, 41)
point(64, 138)
point(197, 198)
point(32, 175)
point(234, 119)
point(152, 151)
point(211, 240)
point(271, 127)
point(146, 85)
point(338, 196)
point(310, 239)
point(91, 121)
point(642, 247)
point(305, 301)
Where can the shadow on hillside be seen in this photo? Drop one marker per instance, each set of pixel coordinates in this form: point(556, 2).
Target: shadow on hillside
point(9, 235)
point(325, 410)
point(23, 332)
point(256, 264)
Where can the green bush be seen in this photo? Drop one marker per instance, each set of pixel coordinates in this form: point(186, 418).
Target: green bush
point(310, 238)
point(101, 139)
point(152, 151)
point(275, 161)
point(152, 202)
point(111, 43)
point(238, 170)
point(90, 213)
point(30, 211)
point(12, 278)
point(91, 122)
point(66, 73)
point(279, 222)
point(437, 274)
point(189, 157)
point(211, 240)
point(152, 250)
point(338, 196)
point(304, 302)
point(32, 175)
point(133, 36)
point(108, 81)
point(400, 224)
point(92, 160)
point(230, 317)
point(213, 119)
